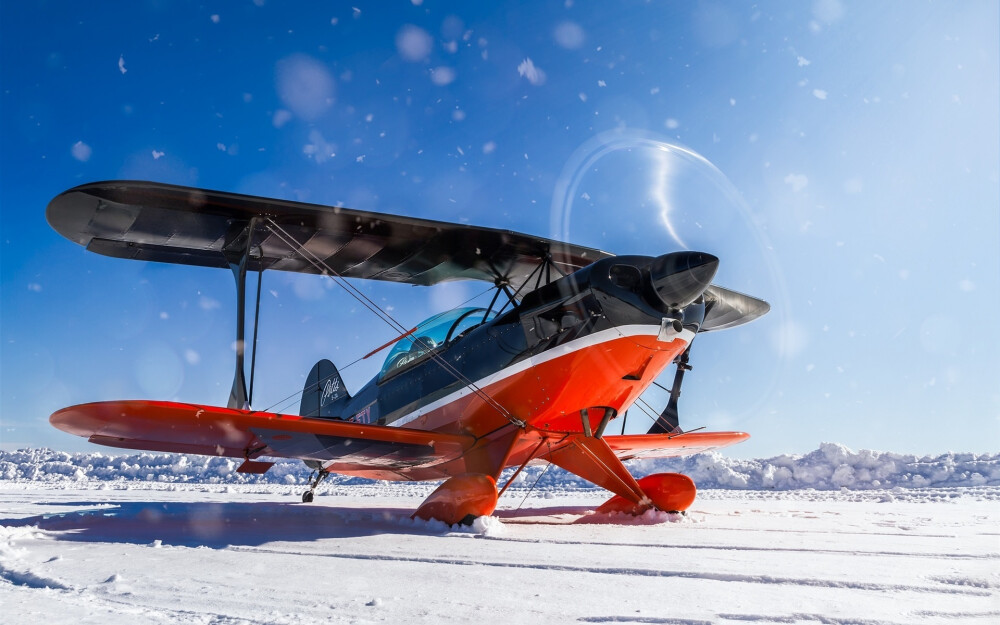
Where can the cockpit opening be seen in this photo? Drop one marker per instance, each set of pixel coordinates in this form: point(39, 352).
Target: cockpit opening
point(432, 335)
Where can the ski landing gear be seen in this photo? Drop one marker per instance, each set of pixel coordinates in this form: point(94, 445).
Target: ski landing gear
point(320, 475)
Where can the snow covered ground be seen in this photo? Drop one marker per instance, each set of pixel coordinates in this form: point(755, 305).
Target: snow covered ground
point(80, 544)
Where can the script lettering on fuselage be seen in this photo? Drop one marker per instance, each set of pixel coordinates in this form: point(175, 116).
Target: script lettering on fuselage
point(331, 390)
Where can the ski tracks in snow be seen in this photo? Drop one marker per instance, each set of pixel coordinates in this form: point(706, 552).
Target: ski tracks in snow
point(187, 556)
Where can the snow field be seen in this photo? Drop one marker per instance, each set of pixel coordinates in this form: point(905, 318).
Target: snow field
point(125, 552)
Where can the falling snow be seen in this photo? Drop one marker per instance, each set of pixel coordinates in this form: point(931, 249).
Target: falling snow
point(533, 74)
point(413, 43)
point(81, 151)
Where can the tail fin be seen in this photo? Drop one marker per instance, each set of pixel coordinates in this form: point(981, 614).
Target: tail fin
point(325, 394)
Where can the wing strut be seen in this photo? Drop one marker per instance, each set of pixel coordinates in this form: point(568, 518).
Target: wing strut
point(237, 254)
point(256, 324)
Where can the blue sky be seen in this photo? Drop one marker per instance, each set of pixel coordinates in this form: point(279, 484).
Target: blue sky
point(854, 182)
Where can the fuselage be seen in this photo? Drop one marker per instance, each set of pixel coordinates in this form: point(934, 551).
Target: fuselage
point(591, 341)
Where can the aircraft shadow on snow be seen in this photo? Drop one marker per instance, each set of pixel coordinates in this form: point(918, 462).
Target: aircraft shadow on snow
point(222, 524)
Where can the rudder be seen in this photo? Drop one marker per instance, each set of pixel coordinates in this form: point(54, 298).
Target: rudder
point(325, 394)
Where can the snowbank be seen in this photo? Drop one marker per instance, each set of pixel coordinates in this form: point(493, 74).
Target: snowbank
point(832, 466)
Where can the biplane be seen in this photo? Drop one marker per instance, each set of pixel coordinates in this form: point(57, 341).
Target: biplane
point(571, 339)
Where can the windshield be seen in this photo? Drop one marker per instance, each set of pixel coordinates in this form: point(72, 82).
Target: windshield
point(430, 335)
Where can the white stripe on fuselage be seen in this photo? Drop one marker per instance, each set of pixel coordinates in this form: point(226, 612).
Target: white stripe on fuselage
point(575, 345)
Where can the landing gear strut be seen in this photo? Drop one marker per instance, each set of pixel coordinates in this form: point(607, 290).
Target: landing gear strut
point(669, 421)
point(321, 475)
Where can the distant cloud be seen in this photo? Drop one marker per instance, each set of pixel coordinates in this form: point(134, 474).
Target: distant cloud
point(819, 93)
point(413, 43)
point(535, 75)
point(35, 287)
point(121, 64)
point(967, 285)
point(157, 154)
point(803, 61)
point(81, 151)
point(797, 181)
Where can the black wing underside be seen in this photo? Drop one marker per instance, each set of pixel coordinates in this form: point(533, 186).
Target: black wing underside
point(173, 224)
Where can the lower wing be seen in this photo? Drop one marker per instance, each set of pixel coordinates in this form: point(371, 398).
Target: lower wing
point(214, 431)
point(630, 446)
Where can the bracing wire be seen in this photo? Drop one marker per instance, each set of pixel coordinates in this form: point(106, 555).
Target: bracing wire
point(288, 401)
point(326, 270)
point(651, 412)
point(533, 486)
point(646, 408)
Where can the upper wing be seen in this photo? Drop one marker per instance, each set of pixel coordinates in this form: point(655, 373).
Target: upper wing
point(208, 430)
point(167, 223)
point(671, 445)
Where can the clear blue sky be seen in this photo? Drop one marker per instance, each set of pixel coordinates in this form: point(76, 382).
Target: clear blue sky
point(860, 140)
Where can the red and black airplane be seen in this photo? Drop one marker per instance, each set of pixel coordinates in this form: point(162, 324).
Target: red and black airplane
point(570, 340)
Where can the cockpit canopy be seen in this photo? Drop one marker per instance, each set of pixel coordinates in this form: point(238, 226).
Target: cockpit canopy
point(431, 335)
